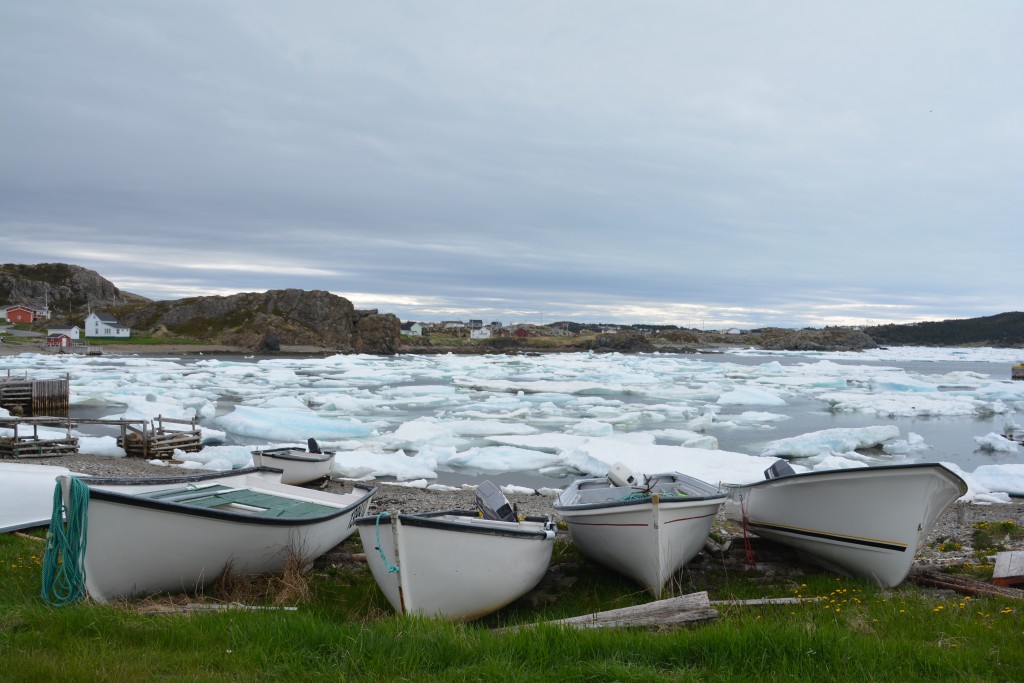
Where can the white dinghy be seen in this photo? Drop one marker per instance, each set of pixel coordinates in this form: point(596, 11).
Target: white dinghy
point(645, 531)
point(159, 539)
point(297, 466)
point(456, 564)
point(26, 490)
point(862, 521)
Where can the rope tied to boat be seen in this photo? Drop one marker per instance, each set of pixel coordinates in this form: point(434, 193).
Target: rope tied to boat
point(392, 568)
point(749, 550)
point(64, 559)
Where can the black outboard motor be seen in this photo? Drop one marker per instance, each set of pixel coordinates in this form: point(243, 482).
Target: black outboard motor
point(493, 504)
point(779, 468)
point(313, 446)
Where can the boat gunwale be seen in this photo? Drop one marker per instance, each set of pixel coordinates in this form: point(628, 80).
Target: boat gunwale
point(131, 500)
point(174, 478)
point(668, 500)
point(429, 520)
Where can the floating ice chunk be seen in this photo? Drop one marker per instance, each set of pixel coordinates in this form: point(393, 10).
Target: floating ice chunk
point(425, 431)
point(1005, 478)
point(995, 442)
point(907, 405)
point(831, 441)
point(913, 442)
point(549, 492)
point(899, 382)
point(590, 427)
point(487, 427)
point(750, 396)
point(284, 425)
point(495, 460)
point(402, 467)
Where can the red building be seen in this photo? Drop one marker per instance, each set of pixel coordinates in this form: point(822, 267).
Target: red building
point(58, 340)
point(21, 314)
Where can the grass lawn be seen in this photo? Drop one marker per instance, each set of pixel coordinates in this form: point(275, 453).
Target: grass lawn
point(344, 630)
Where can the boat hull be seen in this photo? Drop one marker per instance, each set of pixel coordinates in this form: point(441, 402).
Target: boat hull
point(866, 522)
point(139, 546)
point(297, 466)
point(453, 564)
point(647, 539)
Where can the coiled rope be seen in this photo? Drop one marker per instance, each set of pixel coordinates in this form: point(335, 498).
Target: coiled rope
point(64, 559)
point(392, 568)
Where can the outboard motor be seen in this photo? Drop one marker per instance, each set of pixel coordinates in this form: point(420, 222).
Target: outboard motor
point(493, 504)
point(779, 468)
point(620, 475)
point(313, 446)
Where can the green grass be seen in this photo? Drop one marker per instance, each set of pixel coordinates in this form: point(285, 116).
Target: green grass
point(345, 631)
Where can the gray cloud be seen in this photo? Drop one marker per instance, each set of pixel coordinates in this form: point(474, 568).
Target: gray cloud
point(791, 164)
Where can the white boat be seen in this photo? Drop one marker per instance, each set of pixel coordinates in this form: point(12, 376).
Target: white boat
point(297, 466)
point(26, 489)
point(645, 531)
point(863, 521)
point(159, 539)
point(455, 564)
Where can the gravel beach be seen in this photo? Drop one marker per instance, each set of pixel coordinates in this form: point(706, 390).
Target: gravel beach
point(956, 524)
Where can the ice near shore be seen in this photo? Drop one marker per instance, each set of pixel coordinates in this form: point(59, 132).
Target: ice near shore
point(411, 417)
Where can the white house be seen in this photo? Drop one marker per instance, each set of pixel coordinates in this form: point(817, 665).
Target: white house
point(104, 325)
point(74, 332)
point(412, 329)
point(480, 333)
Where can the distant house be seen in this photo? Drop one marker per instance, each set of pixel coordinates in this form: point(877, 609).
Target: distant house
point(412, 329)
point(105, 325)
point(19, 313)
point(74, 332)
point(58, 340)
point(480, 332)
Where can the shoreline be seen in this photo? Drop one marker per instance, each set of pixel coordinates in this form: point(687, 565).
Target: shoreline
point(954, 527)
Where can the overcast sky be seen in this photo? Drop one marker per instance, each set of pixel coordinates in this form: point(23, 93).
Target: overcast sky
point(669, 161)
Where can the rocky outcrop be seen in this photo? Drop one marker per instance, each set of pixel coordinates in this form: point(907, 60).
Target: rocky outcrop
point(623, 341)
point(62, 287)
point(828, 339)
point(261, 321)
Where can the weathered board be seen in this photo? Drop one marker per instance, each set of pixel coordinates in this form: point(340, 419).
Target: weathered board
point(1009, 569)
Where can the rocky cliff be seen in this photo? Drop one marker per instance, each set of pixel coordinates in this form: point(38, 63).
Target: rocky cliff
point(268, 321)
point(63, 288)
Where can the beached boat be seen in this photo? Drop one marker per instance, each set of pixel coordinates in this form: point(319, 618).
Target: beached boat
point(297, 466)
point(456, 564)
point(181, 538)
point(863, 521)
point(26, 489)
point(646, 531)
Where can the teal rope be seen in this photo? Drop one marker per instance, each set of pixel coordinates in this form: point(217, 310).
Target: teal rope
point(392, 568)
point(64, 559)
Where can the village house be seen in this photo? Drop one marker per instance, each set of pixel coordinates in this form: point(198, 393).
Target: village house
point(73, 333)
point(105, 325)
point(412, 329)
point(20, 313)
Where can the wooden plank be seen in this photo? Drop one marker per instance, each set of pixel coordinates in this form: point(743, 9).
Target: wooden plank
point(961, 584)
point(1009, 568)
point(684, 610)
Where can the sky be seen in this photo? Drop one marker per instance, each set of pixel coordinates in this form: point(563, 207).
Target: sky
point(703, 164)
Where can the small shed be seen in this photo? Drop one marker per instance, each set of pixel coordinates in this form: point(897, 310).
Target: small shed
point(58, 340)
